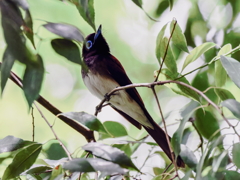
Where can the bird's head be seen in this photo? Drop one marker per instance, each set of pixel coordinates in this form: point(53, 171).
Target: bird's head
point(95, 44)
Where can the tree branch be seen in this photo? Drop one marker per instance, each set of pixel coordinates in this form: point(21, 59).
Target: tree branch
point(88, 134)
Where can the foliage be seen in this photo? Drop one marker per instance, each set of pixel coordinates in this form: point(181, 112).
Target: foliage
point(211, 102)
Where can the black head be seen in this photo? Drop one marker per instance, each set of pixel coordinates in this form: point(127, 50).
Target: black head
point(95, 44)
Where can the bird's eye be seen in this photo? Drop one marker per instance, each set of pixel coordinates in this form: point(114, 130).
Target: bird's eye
point(88, 44)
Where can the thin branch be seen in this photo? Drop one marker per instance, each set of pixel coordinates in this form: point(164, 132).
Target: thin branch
point(165, 128)
point(88, 134)
point(150, 85)
point(165, 54)
point(33, 125)
point(54, 133)
point(199, 134)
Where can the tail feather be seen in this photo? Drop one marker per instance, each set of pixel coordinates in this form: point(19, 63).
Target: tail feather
point(160, 137)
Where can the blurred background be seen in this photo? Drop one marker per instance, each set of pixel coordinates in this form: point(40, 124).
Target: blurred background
point(131, 35)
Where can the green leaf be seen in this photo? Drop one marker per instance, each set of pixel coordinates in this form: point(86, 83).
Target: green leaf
point(232, 67)
point(66, 31)
point(178, 37)
point(170, 4)
point(177, 88)
point(220, 73)
point(177, 136)
point(169, 58)
point(231, 175)
point(7, 63)
point(223, 94)
point(22, 161)
point(29, 27)
point(138, 3)
point(67, 49)
point(197, 52)
point(233, 106)
point(236, 154)
point(57, 173)
point(11, 143)
point(110, 153)
point(87, 120)
point(157, 170)
point(206, 123)
point(159, 43)
point(86, 10)
point(220, 162)
point(115, 129)
point(32, 80)
point(38, 169)
point(188, 157)
point(92, 165)
point(124, 147)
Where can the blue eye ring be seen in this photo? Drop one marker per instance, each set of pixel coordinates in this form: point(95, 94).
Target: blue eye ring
point(89, 44)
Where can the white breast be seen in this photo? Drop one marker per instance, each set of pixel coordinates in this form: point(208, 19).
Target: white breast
point(100, 86)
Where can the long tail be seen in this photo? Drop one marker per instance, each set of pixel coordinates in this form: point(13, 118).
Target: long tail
point(160, 137)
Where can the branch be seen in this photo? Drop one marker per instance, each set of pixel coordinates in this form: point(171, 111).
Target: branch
point(165, 54)
point(54, 133)
point(150, 85)
point(88, 134)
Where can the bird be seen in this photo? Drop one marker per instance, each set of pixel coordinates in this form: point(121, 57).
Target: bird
point(104, 72)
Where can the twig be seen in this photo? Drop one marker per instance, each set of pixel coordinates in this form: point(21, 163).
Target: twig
point(54, 133)
point(150, 85)
point(88, 134)
point(165, 54)
point(165, 128)
point(33, 125)
point(200, 136)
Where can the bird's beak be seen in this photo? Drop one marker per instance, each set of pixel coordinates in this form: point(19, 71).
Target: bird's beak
point(99, 31)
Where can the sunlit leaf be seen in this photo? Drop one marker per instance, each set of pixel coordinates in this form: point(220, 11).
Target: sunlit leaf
point(57, 173)
point(233, 106)
point(197, 52)
point(37, 169)
point(177, 88)
point(206, 123)
point(232, 67)
point(159, 43)
point(220, 73)
point(157, 171)
point(110, 153)
point(178, 37)
point(188, 157)
point(92, 165)
point(32, 80)
point(115, 128)
point(22, 161)
point(66, 31)
point(87, 120)
point(223, 94)
point(169, 60)
point(236, 154)
point(11, 143)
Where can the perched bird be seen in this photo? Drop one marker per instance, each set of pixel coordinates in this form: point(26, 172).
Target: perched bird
point(105, 73)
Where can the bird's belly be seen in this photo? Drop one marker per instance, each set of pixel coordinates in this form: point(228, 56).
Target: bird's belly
point(100, 86)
